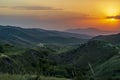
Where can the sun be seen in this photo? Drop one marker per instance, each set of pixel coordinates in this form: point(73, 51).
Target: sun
point(111, 11)
point(111, 14)
point(112, 19)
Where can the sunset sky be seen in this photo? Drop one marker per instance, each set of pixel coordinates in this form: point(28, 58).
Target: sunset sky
point(61, 14)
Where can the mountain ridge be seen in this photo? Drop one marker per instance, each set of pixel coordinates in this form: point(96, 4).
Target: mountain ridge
point(91, 31)
point(114, 38)
point(23, 36)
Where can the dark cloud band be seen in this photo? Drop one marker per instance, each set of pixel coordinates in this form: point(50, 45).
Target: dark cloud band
point(115, 17)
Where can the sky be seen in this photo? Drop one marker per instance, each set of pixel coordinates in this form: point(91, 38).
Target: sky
point(61, 14)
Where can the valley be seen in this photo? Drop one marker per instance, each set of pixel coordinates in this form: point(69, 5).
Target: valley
point(59, 56)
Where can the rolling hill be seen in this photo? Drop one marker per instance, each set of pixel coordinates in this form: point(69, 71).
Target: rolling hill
point(114, 38)
point(94, 52)
point(22, 36)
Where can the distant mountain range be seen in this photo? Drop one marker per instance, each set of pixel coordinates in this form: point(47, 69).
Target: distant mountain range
point(34, 36)
point(90, 31)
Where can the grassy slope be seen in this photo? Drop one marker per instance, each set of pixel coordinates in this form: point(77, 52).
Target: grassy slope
point(94, 52)
point(109, 69)
point(27, 77)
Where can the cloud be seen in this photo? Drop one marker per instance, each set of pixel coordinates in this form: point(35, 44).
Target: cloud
point(115, 17)
point(31, 8)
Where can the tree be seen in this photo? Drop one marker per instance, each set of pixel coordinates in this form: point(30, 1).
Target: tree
point(1, 49)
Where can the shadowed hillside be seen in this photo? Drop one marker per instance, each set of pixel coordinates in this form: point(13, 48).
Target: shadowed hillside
point(115, 38)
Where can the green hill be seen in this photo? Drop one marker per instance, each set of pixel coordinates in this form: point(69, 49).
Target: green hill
point(34, 37)
point(114, 39)
point(93, 52)
point(110, 69)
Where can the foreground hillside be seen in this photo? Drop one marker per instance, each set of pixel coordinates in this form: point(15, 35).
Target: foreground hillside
point(94, 52)
point(73, 64)
point(110, 69)
point(27, 77)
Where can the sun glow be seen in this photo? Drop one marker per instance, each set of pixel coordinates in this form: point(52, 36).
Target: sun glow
point(112, 12)
point(112, 19)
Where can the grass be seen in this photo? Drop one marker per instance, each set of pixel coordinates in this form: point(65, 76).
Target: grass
point(14, 50)
point(27, 77)
point(110, 68)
